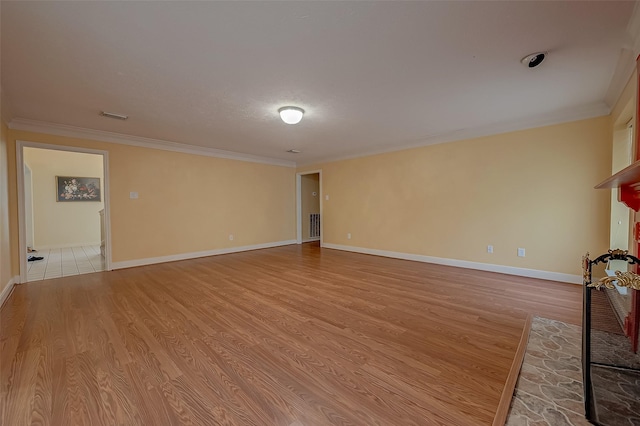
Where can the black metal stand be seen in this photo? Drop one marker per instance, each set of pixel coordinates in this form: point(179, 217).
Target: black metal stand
point(590, 401)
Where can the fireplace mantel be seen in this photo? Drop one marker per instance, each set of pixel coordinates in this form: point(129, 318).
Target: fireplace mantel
point(627, 181)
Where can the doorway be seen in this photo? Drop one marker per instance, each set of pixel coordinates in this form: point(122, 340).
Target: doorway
point(309, 206)
point(63, 211)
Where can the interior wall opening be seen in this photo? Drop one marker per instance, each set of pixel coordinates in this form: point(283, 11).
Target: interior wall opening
point(64, 213)
point(309, 207)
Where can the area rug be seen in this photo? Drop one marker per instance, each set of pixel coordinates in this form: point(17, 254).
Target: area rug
point(549, 388)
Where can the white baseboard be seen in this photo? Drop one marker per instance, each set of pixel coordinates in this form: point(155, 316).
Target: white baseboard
point(194, 255)
point(510, 270)
point(308, 240)
point(4, 295)
point(61, 246)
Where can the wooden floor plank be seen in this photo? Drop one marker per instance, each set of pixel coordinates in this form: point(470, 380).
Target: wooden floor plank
point(291, 335)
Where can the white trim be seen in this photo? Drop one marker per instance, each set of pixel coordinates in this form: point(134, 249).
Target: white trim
point(510, 270)
point(196, 254)
point(7, 290)
point(598, 109)
point(557, 117)
point(299, 209)
point(299, 206)
point(22, 239)
point(64, 246)
point(122, 139)
point(22, 227)
point(624, 71)
point(309, 240)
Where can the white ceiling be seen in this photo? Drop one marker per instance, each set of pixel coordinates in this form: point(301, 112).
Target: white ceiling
point(372, 76)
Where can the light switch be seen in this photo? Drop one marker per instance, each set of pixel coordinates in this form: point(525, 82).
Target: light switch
point(133, 195)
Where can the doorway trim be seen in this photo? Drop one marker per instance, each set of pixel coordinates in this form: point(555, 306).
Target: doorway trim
point(22, 232)
point(299, 205)
point(28, 203)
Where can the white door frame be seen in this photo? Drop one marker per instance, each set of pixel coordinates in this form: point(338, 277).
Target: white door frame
point(22, 237)
point(299, 205)
point(28, 203)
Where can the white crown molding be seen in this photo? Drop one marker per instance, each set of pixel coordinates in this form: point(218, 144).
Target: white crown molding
point(598, 109)
point(623, 72)
point(510, 270)
point(548, 119)
point(197, 254)
point(4, 295)
point(122, 139)
point(627, 59)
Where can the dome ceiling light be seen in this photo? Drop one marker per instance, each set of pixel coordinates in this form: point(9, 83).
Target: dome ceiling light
point(291, 114)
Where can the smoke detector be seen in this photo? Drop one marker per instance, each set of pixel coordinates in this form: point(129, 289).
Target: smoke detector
point(534, 59)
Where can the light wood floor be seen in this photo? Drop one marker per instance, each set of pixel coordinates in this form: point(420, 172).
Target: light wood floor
point(269, 337)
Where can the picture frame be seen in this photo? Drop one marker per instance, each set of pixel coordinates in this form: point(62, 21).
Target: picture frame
point(78, 189)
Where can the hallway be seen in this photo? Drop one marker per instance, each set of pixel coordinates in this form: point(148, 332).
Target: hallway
point(64, 262)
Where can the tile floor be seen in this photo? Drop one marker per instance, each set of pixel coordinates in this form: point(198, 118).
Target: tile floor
point(63, 262)
point(549, 388)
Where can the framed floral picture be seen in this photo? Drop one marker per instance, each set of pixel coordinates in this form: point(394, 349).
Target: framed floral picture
point(71, 188)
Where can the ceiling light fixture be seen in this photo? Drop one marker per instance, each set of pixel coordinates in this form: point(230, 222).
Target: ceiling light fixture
point(291, 114)
point(114, 115)
point(294, 151)
point(534, 59)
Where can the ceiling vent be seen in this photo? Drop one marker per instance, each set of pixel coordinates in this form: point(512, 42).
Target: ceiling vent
point(114, 115)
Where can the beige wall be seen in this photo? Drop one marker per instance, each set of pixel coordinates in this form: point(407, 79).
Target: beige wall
point(6, 272)
point(187, 203)
point(530, 189)
point(63, 224)
point(310, 184)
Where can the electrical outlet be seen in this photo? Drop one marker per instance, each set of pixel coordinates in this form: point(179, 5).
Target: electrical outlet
point(489, 249)
point(133, 195)
point(521, 252)
point(349, 236)
point(230, 237)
